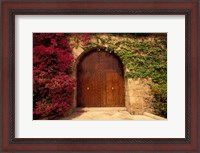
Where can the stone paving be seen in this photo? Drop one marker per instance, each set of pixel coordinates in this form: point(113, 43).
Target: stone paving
point(115, 113)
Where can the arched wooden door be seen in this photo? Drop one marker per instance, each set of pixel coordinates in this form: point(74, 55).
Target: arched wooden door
point(100, 80)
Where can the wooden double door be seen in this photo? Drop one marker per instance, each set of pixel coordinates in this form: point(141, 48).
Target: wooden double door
point(100, 80)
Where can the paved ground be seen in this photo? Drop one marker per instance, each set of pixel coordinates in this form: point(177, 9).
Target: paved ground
point(117, 113)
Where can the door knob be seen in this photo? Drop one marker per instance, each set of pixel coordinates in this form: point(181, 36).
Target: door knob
point(112, 88)
point(88, 88)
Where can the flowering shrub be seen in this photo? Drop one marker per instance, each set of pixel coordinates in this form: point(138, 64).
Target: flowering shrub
point(53, 87)
point(80, 39)
point(57, 96)
point(160, 94)
point(58, 40)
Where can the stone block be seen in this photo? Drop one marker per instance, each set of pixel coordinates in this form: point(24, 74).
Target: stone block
point(77, 51)
point(132, 93)
point(136, 82)
point(138, 106)
point(138, 112)
point(129, 80)
point(132, 99)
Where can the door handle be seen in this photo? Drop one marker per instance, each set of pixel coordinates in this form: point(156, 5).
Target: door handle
point(88, 88)
point(112, 88)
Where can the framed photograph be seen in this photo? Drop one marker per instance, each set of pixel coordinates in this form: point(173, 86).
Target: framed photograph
point(100, 76)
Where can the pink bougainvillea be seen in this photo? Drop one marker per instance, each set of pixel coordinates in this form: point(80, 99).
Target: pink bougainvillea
point(80, 38)
point(53, 86)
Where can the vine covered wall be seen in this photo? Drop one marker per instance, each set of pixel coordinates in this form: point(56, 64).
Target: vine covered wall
point(145, 59)
point(55, 55)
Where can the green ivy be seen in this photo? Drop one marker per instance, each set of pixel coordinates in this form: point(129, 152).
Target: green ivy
point(142, 57)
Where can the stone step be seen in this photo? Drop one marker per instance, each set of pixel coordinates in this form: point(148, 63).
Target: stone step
point(154, 116)
point(91, 109)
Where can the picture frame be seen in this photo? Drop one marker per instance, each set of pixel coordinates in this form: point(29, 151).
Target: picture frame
point(192, 111)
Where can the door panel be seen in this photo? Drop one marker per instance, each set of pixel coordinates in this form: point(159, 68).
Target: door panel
point(110, 89)
point(100, 80)
point(114, 90)
point(89, 82)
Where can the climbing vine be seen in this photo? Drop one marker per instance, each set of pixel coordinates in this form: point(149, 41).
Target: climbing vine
point(144, 56)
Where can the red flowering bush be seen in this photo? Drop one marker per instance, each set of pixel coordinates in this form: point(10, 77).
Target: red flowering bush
point(58, 40)
point(155, 92)
point(80, 39)
point(160, 95)
point(53, 87)
point(57, 96)
point(84, 38)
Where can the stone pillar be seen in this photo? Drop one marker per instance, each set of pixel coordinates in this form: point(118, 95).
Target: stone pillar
point(138, 96)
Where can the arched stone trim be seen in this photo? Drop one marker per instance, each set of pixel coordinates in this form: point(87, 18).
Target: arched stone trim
point(138, 98)
point(81, 56)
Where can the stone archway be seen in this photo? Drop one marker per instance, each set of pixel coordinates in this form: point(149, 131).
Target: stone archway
point(137, 92)
point(100, 80)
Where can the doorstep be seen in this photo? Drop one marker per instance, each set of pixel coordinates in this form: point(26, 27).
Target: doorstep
point(91, 109)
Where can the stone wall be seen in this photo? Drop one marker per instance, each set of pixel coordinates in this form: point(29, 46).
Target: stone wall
point(138, 96)
point(76, 52)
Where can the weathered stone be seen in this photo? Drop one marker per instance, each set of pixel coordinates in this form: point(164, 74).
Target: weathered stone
point(138, 94)
point(77, 51)
point(132, 99)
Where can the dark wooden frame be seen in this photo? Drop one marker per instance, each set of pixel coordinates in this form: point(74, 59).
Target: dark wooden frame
point(189, 8)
